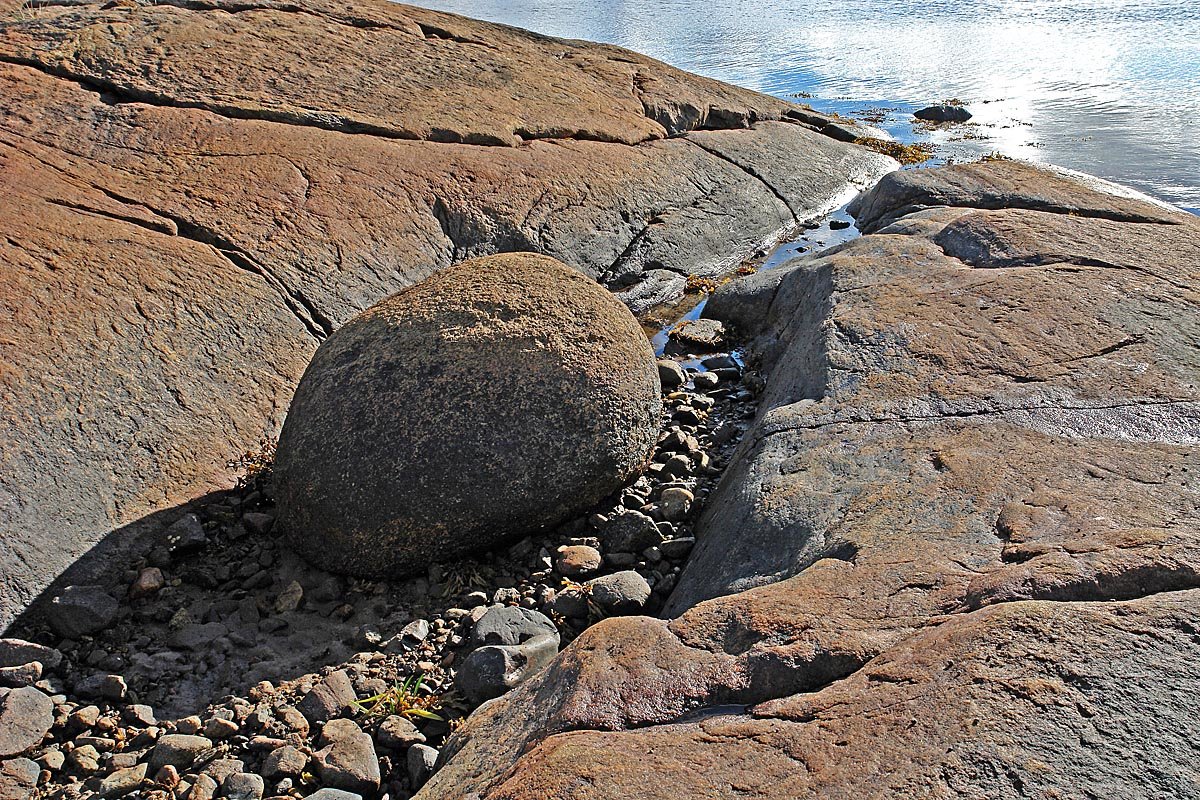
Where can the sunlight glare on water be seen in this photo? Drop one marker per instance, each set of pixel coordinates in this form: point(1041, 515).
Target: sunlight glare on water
point(1110, 87)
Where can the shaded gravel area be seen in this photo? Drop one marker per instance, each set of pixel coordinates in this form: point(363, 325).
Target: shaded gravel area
point(225, 666)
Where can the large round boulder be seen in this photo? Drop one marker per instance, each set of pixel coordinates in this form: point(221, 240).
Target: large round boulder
point(493, 399)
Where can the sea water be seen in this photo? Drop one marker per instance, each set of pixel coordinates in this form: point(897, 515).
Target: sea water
point(1109, 87)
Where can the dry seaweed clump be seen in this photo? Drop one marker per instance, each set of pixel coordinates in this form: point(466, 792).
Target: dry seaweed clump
point(916, 153)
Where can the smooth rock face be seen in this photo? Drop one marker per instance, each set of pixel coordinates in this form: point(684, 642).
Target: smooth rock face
point(192, 203)
point(956, 556)
point(493, 399)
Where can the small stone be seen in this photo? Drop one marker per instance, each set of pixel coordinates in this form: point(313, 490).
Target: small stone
point(293, 719)
point(397, 733)
point(26, 716)
point(705, 381)
point(186, 534)
point(122, 781)
point(630, 532)
point(333, 794)
point(670, 374)
point(178, 750)
point(222, 768)
point(167, 777)
point(24, 675)
point(290, 598)
point(415, 632)
point(149, 581)
point(81, 610)
point(328, 698)
point(258, 523)
point(18, 779)
point(675, 503)
point(838, 224)
point(510, 625)
point(577, 559)
point(678, 549)
point(102, 744)
point(349, 763)
point(18, 652)
point(421, 761)
point(678, 466)
point(85, 759)
point(620, 593)
point(699, 335)
point(82, 719)
point(285, 762)
point(204, 787)
point(492, 670)
point(721, 362)
point(140, 715)
point(52, 760)
point(102, 685)
point(217, 728)
point(243, 786)
point(570, 603)
point(189, 725)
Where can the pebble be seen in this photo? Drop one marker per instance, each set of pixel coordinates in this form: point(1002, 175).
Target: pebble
point(285, 762)
point(577, 559)
point(397, 733)
point(333, 794)
point(243, 786)
point(102, 685)
point(492, 670)
point(81, 610)
point(149, 581)
point(349, 763)
point(670, 374)
point(620, 593)
point(675, 503)
point(290, 598)
point(421, 761)
point(186, 534)
point(678, 549)
point(167, 777)
point(24, 675)
point(122, 781)
point(705, 381)
point(630, 532)
point(26, 716)
point(217, 728)
point(511, 625)
point(85, 759)
point(204, 787)
point(140, 715)
point(18, 652)
point(328, 698)
point(178, 750)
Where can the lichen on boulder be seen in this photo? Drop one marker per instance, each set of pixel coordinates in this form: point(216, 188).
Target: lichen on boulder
point(491, 400)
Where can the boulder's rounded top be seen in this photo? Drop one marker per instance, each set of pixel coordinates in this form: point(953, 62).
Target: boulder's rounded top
point(495, 398)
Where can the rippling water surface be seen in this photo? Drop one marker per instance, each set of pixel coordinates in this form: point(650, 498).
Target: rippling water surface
point(1110, 87)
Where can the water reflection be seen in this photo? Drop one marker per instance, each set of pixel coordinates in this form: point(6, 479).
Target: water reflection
point(1110, 87)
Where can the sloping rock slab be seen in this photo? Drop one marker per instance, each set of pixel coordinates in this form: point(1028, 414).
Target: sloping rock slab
point(955, 555)
point(192, 203)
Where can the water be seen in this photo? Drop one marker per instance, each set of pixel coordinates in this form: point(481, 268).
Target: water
point(1110, 87)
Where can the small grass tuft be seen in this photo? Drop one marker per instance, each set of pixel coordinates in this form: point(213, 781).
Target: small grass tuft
point(402, 699)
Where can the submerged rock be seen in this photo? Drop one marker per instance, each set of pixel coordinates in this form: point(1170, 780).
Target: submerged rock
point(494, 399)
point(943, 112)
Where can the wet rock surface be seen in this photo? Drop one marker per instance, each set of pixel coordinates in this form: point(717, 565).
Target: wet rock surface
point(195, 203)
point(495, 399)
point(954, 556)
